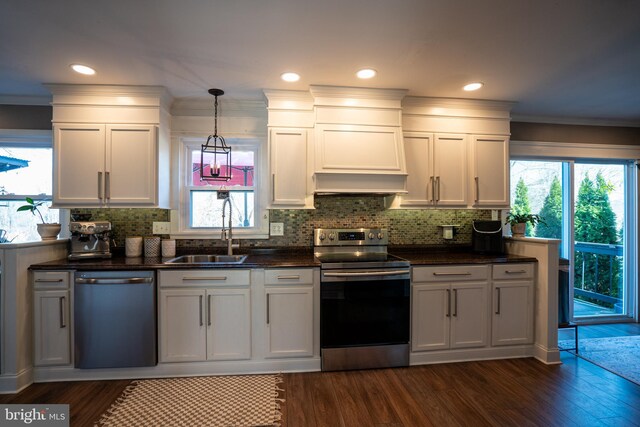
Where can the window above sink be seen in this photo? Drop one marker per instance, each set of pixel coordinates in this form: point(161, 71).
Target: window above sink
point(200, 211)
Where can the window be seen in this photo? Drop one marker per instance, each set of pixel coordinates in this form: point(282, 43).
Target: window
point(589, 205)
point(25, 170)
point(200, 213)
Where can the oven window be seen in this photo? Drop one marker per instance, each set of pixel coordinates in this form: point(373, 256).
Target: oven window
point(364, 313)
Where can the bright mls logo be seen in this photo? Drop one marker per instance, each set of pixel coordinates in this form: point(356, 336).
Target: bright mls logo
point(34, 415)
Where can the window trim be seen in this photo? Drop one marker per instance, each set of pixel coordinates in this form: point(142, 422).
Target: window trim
point(180, 218)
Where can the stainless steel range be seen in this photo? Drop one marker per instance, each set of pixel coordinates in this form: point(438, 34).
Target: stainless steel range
point(364, 300)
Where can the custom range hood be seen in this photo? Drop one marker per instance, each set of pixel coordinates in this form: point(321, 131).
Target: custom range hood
point(358, 146)
point(334, 140)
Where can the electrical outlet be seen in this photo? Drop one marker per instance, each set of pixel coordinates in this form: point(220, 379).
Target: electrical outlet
point(161, 228)
point(494, 214)
point(276, 229)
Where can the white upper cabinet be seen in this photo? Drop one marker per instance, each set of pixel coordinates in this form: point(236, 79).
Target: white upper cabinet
point(288, 152)
point(291, 120)
point(457, 153)
point(437, 170)
point(100, 165)
point(111, 146)
point(490, 171)
point(450, 169)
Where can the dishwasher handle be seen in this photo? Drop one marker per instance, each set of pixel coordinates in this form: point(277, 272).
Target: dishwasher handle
point(114, 281)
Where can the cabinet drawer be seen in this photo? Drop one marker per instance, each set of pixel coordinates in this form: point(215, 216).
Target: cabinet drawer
point(51, 279)
point(513, 271)
point(204, 277)
point(286, 276)
point(454, 273)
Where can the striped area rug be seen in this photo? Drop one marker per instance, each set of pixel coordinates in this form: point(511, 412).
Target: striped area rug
point(242, 400)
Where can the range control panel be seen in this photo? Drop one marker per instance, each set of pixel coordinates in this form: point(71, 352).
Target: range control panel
point(350, 236)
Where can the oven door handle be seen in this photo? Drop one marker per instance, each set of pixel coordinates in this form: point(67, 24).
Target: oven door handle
point(367, 273)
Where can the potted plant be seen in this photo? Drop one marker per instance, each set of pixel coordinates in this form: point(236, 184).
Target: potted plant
point(45, 230)
point(518, 222)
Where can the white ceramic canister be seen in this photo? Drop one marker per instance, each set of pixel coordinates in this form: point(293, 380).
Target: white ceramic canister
point(133, 246)
point(168, 248)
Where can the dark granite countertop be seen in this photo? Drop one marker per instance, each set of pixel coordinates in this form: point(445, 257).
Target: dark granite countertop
point(299, 257)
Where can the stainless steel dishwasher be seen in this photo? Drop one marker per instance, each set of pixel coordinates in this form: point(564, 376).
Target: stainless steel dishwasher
point(115, 319)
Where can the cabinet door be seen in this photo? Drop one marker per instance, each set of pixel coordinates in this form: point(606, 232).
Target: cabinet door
point(469, 315)
point(289, 321)
point(288, 159)
point(450, 169)
point(78, 164)
point(52, 330)
point(512, 313)
point(130, 172)
point(228, 324)
point(182, 325)
point(490, 171)
point(430, 312)
point(420, 180)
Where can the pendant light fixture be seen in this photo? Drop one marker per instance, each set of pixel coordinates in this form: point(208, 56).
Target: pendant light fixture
point(219, 166)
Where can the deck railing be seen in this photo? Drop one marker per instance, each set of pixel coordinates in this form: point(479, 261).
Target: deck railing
point(590, 256)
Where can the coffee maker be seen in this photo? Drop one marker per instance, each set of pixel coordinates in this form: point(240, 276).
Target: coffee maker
point(90, 239)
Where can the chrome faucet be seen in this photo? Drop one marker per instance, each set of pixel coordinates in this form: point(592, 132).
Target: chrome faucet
point(228, 234)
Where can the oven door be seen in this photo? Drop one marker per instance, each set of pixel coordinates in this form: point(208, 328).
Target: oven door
point(364, 308)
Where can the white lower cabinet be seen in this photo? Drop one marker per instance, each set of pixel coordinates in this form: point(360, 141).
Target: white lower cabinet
point(449, 312)
point(205, 315)
point(513, 300)
point(52, 321)
point(289, 320)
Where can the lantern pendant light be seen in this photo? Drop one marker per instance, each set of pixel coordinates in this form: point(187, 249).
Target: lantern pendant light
point(220, 166)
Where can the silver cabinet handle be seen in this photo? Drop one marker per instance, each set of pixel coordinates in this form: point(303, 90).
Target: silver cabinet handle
point(292, 277)
point(268, 295)
point(63, 321)
point(100, 185)
point(498, 308)
point(200, 301)
point(209, 310)
point(368, 273)
point(515, 271)
point(435, 273)
point(114, 281)
point(433, 190)
point(448, 303)
point(204, 278)
point(438, 187)
point(477, 190)
point(49, 280)
point(107, 185)
point(455, 303)
point(273, 187)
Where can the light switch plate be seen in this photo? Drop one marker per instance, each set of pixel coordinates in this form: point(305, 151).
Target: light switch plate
point(161, 228)
point(276, 229)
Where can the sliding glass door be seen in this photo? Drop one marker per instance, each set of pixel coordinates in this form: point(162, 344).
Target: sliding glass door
point(587, 206)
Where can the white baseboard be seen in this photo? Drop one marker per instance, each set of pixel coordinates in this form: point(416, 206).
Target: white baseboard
point(470, 354)
point(183, 369)
point(549, 356)
point(10, 384)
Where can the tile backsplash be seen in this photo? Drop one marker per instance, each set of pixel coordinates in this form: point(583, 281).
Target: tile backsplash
point(406, 227)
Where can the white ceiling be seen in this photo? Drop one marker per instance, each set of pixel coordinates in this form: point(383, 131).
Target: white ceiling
point(563, 59)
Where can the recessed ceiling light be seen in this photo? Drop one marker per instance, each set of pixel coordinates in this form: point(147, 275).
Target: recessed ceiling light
point(83, 69)
point(473, 86)
point(366, 73)
point(290, 77)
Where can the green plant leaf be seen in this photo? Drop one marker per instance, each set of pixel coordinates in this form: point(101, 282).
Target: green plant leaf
point(25, 208)
point(29, 200)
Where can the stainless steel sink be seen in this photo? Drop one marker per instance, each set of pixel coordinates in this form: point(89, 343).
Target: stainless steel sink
point(207, 259)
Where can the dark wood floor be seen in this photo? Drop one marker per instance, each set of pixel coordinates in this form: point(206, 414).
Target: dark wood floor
point(517, 392)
